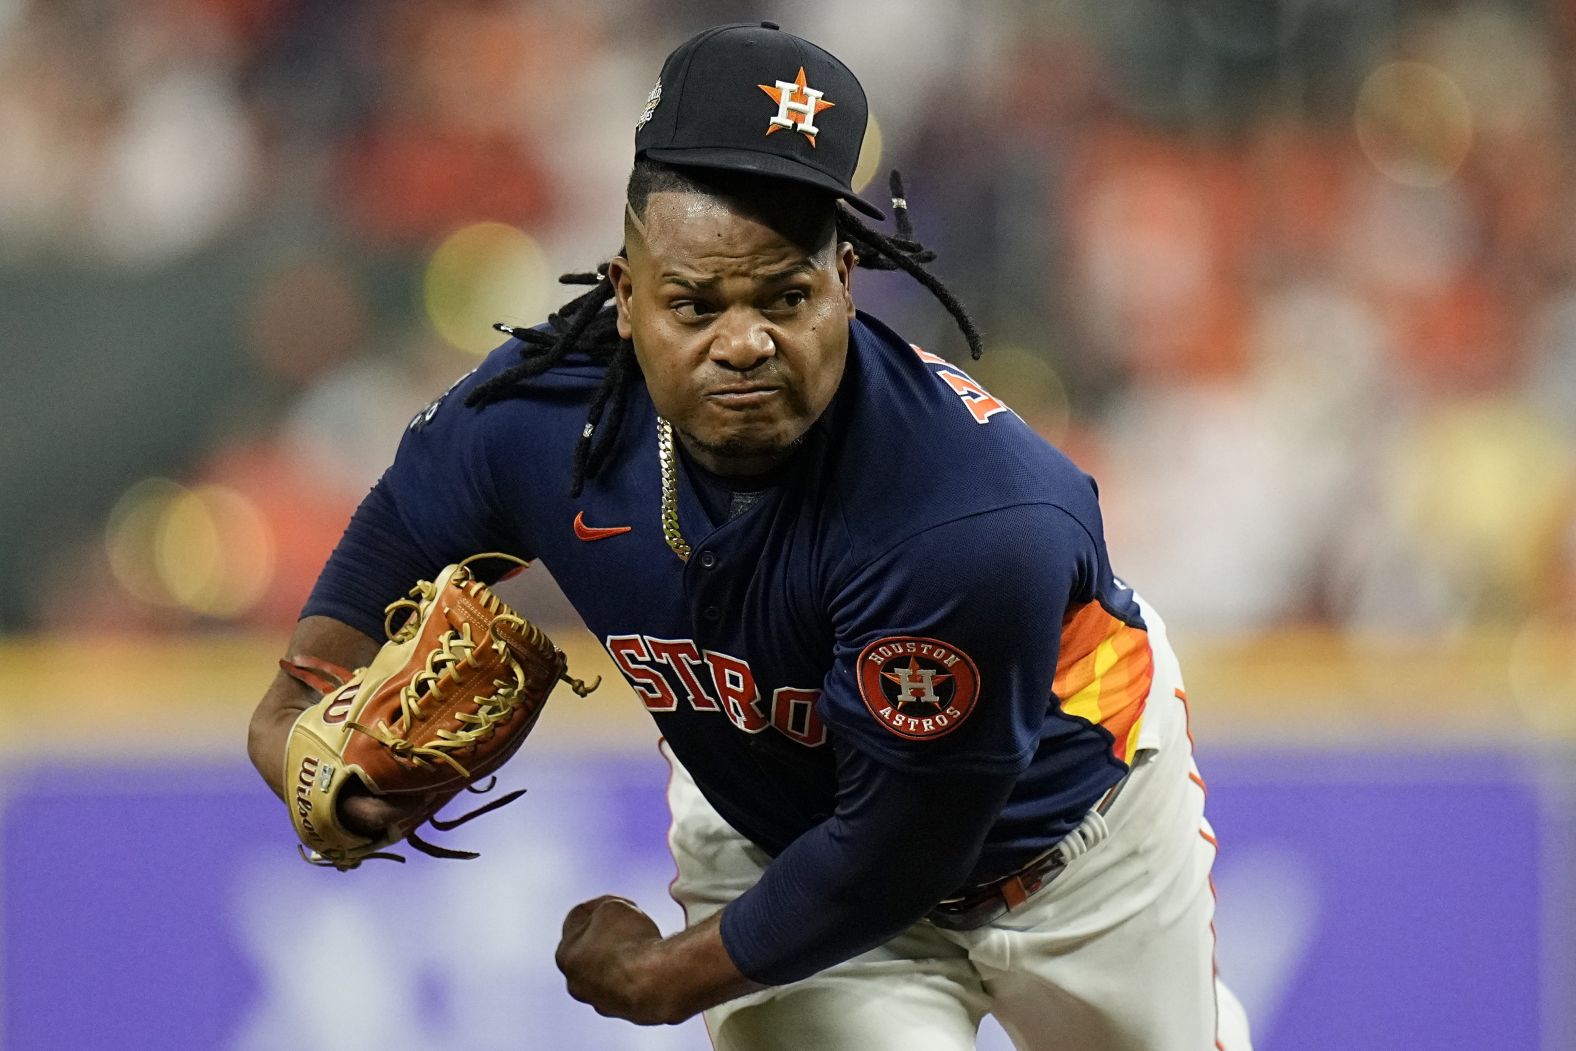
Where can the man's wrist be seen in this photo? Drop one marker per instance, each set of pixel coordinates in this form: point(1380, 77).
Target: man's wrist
point(673, 979)
point(654, 980)
point(267, 739)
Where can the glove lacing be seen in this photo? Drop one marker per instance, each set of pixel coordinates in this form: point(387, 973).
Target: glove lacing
point(456, 650)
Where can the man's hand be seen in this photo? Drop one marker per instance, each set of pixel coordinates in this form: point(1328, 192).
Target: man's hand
point(367, 814)
point(616, 960)
point(598, 953)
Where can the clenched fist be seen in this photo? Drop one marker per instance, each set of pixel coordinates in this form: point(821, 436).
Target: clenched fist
point(617, 961)
point(606, 954)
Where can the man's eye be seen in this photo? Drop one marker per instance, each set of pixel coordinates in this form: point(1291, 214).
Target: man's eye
point(689, 310)
point(792, 298)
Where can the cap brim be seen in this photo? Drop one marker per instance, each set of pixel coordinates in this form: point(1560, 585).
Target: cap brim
point(774, 165)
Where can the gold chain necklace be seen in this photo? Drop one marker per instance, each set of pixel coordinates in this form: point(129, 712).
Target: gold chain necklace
point(670, 491)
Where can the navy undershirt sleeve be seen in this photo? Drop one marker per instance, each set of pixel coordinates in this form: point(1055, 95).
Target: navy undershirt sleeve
point(899, 842)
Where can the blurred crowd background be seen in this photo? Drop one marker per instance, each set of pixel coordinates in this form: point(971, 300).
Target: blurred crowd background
point(1295, 281)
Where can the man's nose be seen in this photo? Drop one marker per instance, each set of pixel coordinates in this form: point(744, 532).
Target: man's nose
point(740, 341)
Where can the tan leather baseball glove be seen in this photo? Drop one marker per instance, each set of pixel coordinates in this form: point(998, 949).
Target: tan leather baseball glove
point(453, 693)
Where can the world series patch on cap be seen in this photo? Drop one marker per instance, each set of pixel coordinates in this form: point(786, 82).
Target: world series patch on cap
point(750, 98)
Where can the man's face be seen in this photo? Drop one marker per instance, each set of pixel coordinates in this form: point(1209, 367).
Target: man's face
point(740, 323)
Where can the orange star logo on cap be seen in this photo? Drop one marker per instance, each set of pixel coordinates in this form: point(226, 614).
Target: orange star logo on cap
point(795, 99)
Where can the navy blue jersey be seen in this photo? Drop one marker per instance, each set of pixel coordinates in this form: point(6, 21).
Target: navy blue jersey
point(924, 583)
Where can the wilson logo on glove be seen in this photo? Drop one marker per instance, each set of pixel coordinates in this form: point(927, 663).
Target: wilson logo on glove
point(338, 710)
point(452, 695)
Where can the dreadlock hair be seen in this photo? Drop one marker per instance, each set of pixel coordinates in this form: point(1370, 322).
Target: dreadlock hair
point(587, 324)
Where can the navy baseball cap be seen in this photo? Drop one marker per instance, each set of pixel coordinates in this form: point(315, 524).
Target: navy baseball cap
point(748, 97)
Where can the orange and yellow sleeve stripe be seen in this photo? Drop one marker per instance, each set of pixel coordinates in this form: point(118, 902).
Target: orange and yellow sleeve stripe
point(1104, 672)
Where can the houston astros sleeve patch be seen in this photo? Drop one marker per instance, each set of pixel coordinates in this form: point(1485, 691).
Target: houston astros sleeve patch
point(916, 687)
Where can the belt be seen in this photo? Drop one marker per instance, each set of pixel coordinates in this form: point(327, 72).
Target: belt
point(990, 901)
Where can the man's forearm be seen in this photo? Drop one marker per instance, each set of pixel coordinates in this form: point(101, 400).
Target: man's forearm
point(269, 731)
point(685, 974)
point(616, 960)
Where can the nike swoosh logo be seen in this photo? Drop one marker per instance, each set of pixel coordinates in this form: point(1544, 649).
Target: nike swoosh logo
point(585, 532)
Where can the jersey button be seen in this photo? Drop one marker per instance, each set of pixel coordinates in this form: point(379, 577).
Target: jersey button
point(708, 559)
point(711, 613)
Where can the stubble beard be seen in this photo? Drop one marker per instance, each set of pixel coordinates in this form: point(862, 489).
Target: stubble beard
point(751, 455)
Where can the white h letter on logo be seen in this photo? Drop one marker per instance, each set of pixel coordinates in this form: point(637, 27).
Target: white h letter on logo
point(919, 684)
point(786, 104)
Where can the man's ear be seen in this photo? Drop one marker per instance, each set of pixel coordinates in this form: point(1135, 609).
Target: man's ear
point(846, 261)
point(618, 272)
